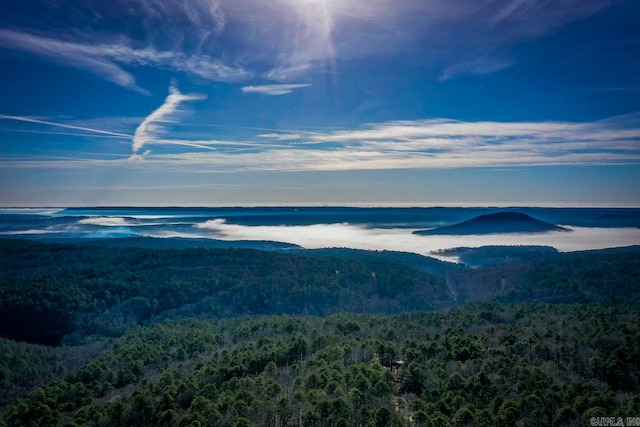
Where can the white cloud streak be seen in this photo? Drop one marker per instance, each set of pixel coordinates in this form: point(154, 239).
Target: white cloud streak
point(70, 54)
point(107, 60)
point(425, 144)
point(65, 126)
point(478, 67)
point(148, 130)
point(280, 89)
point(429, 144)
point(319, 160)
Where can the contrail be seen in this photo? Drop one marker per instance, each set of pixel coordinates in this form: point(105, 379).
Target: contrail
point(45, 122)
point(146, 131)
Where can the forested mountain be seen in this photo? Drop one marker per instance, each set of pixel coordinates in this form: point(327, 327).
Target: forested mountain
point(241, 337)
point(496, 223)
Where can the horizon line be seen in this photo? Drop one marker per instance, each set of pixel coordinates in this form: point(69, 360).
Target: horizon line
point(339, 205)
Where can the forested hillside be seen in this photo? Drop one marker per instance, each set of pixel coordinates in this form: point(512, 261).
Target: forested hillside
point(110, 336)
point(49, 291)
point(490, 364)
point(546, 276)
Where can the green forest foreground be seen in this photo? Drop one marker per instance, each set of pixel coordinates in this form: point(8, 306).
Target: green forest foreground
point(142, 337)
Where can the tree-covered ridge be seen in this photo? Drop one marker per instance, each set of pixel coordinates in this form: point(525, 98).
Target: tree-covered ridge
point(486, 364)
point(574, 277)
point(48, 291)
point(51, 291)
point(496, 255)
point(584, 277)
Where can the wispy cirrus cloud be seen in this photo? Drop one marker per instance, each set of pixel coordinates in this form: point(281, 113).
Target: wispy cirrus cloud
point(70, 54)
point(280, 89)
point(477, 67)
point(147, 132)
point(494, 28)
point(111, 39)
point(281, 40)
point(292, 160)
point(420, 144)
point(436, 144)
point(107, 60)
point(479, 35)
point(282, 136)
point(153, 22)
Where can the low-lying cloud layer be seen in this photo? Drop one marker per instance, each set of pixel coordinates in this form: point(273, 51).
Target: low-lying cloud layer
point(311, 236)
point(358, 237)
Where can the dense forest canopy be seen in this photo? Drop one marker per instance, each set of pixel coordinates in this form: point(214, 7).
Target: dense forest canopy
point(108, 336)
point(488, 364)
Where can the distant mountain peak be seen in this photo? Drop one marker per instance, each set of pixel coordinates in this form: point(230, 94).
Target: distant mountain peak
point(496, 223)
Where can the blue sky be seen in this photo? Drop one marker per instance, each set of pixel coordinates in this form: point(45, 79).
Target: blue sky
point(285, 102)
